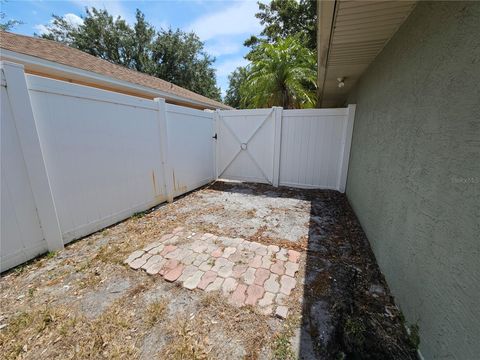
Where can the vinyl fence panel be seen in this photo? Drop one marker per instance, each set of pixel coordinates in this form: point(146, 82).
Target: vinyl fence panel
point(312, 143)
point(190, 147)
point(307, 148)
point(101, 150)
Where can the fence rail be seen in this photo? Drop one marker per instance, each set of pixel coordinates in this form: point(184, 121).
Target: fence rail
point(76, 159)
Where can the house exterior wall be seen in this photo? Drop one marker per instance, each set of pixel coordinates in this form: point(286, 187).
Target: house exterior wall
point(414, 173)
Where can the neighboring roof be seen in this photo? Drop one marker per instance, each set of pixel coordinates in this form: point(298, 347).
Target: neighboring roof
point(350, 35)
point(62, 54)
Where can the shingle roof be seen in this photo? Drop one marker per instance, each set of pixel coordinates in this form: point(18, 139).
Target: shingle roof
point(65, 55)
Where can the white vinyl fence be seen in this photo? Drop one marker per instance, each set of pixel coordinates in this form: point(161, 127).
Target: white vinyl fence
point(299, 148)
point(76, 159)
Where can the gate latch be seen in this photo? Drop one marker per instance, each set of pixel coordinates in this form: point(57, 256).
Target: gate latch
point(215, 136)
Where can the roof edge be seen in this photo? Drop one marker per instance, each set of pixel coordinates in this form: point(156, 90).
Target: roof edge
point(57, 69)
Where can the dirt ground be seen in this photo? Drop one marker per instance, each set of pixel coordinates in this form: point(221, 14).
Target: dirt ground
point(84, 302)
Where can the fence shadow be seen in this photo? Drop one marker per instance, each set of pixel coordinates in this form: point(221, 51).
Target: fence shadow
point(345, 298)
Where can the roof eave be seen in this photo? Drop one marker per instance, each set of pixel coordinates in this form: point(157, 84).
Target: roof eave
point(57, 69)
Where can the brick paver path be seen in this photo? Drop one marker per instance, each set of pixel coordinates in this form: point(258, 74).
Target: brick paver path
point(248, 273)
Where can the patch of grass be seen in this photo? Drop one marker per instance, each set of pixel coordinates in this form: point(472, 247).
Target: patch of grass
point(414, 336)
point(281, 346)
point(113, 253)
point(413, 332)
point(20, 269)
point(91, 279)
point(187, 342)
point(51, 254)
point(244, 324)
point(31, 292)
point(211, 262)
point(156, 311)
point(60, 332)
point(354, 333)
point(139, 215)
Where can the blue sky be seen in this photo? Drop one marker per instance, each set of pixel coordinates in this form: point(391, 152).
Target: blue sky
point(222, 25)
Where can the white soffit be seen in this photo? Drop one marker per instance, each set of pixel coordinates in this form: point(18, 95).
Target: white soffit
point(359, 32)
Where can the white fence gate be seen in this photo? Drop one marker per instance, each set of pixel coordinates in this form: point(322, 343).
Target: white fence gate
point(246, 144)
point(76, 159)
point(300, 148)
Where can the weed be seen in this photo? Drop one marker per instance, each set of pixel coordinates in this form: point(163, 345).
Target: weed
point(414, 336)
point(156, 311)
point(281, 346)
point(187, 344)
point(31, 292)
point(90, 280)
point(20, 269)
point(51, 254)
point(139, 215)
point(354, 333)
point(413, 332)
point(211, 262)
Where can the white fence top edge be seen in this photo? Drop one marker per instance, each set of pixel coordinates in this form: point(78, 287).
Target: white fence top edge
point(316, 112)
point(188, 111)
point(244, 112)
point(63, 88)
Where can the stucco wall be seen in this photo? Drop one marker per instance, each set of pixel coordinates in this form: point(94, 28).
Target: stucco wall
point(414, 174)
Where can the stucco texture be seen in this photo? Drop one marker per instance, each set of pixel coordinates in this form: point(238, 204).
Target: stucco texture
point(414, 174)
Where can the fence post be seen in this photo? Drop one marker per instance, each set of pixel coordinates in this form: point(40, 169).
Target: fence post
point(216, 120)
point(214, 143)
point(32, 153)
point(167, 169)
point(278, 112)
point(346, 145)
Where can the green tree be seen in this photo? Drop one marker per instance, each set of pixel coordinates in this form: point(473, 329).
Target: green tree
point(8, 24)
point(174, 56)
point(284, 18)
point(235, 82)
point(281, 74)
point(179, 58)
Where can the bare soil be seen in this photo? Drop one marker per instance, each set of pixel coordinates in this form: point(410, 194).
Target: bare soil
point(83, 302)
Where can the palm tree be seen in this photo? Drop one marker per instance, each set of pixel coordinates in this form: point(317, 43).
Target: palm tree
point(281, 74)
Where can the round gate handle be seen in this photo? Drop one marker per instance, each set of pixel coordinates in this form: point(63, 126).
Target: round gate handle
point(243, 146)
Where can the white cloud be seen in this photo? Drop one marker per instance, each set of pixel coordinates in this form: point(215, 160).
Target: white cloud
point(41, 29)
point(226, 67)
point(72, 19)
point(222, 47)
point(237, 19)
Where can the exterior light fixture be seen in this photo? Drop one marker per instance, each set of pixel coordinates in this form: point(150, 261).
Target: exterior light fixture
point(341, 82)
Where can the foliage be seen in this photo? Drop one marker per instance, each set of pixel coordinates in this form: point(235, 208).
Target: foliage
point(174, 56)
point(9, 24)
point(414, 336)
point(235, 80)
point(180, 59)
point(281, 74)
point(285, 18)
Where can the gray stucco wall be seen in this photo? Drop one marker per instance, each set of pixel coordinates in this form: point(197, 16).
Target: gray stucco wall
point(414, 174)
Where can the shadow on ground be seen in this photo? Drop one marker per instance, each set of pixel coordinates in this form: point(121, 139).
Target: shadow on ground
point(347, 309)
point(84, 302)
